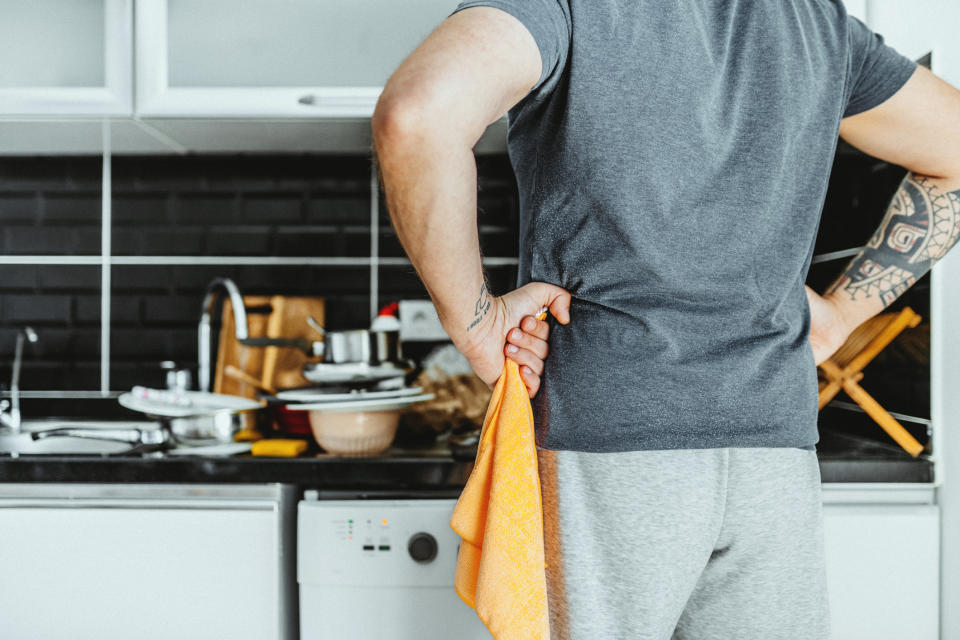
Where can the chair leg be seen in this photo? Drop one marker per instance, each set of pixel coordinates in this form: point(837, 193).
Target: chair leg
point(880, 415)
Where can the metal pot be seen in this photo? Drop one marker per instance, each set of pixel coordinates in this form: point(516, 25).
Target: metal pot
point(362, 345)
point(341, 347)
point(212, 428)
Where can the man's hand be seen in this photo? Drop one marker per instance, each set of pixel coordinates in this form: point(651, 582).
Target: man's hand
point(512, 317)
point(829, 328)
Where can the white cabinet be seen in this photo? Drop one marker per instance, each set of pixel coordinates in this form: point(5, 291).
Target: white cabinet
point(883, 571)
point(920, 27)
point(300, 58)
point(66, 58)
point(857, 8)
point(132, 565)
point(917, 28)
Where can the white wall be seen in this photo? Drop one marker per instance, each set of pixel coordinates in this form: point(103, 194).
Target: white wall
point(915, 27)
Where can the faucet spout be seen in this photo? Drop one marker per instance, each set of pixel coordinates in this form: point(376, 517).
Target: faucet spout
point(204, 347)
point(12, 419)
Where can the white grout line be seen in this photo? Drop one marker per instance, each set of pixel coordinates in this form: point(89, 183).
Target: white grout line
point(226, 260)
point(52, 260)
point(374, 239)
point(105, 251)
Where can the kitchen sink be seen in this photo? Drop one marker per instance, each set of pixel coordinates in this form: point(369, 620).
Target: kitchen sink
point(23, 444)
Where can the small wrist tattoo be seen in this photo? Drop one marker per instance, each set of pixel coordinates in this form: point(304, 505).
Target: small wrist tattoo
point(481, 308)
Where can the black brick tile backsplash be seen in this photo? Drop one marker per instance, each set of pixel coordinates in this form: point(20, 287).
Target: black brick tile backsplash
point(36, 308)
point(238, 241)
point(25, 240)
point(276, 206)
point(149, 208)
point(196, 209)
point(272, 208)
point(19, 207)
point(70, 278)
point(65, 208)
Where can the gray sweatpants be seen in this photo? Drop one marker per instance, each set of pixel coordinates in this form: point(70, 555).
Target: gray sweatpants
point(697, 544)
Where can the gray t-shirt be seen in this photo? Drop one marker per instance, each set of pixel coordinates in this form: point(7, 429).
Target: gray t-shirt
point(672, 163)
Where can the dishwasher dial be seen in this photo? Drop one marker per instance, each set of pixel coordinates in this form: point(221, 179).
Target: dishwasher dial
point(422, 547)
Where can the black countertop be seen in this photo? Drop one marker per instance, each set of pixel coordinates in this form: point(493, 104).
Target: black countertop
point(849, 453)
point(843, 458)
point(396, 470)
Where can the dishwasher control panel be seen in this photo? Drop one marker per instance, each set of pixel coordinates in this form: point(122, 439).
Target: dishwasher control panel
point(376, 542)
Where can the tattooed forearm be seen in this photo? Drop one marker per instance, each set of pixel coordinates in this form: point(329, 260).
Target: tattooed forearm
point(481, 308)
point(921, 225)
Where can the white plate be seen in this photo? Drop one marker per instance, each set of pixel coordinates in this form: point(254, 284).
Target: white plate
point(317, 395)
point(376, 404)
point(225, 449)
point(199, 403)
point(343, 373)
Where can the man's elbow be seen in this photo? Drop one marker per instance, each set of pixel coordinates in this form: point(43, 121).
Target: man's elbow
point(396, 120)
point(401, 119)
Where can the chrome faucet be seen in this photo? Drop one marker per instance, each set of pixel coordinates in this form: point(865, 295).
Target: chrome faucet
point(203, 331)
point(11, 419)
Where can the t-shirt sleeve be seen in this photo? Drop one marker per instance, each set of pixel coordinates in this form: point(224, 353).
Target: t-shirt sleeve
point(877, 71)
point(548, 21)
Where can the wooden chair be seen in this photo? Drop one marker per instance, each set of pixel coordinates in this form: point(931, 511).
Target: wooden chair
point(844, 370)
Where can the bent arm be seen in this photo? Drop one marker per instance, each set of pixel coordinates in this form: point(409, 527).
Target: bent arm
point(919, 129)
point(476, 65)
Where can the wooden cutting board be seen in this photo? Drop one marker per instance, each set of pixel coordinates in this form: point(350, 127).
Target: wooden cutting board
point(270, 317)
point(283, 366)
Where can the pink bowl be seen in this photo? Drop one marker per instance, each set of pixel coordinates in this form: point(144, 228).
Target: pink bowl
point(355, 433)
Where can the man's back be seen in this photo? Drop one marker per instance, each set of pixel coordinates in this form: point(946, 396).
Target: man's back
point(672, 163)
point(672, 159)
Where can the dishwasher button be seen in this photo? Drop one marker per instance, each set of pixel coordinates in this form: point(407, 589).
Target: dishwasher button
point(422, 547)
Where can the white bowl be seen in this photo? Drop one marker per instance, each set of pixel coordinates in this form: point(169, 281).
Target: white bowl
point(355, 433)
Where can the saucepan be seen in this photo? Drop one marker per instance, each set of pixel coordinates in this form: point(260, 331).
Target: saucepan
point(339, 347)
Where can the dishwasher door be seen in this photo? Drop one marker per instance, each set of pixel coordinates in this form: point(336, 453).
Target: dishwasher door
point(380, 569)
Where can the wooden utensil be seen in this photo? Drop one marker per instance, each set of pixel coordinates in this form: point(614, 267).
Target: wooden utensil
point(283, 366)
point(242, 376)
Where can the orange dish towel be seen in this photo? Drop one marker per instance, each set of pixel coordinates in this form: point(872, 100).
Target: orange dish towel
point(501, 567)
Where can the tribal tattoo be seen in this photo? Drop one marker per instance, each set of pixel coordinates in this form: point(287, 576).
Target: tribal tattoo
point(481, 308)
point(920, 226)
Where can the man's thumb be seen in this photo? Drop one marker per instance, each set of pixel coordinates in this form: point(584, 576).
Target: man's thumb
point(556, 299)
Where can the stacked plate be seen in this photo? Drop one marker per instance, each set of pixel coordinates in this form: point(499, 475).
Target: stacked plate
point(353, 422)
point(347, 399)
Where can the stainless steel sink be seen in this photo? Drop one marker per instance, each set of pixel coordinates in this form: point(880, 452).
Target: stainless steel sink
point(23, 444)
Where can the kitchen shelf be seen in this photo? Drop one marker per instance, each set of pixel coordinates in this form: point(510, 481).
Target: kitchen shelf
point(835, 255)
point(271, 261)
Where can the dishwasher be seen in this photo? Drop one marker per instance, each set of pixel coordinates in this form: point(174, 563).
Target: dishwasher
point(380, 569)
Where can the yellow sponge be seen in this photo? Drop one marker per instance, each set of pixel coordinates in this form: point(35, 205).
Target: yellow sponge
point(279, 448)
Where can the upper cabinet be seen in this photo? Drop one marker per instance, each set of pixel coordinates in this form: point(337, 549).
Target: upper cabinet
point(917, 28)
point(263, 58)
point(856, 8)
point(66, 58)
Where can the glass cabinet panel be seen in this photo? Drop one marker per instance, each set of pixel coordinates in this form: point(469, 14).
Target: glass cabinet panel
point(66, 58)
point(49, 43)
point(294, 43)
